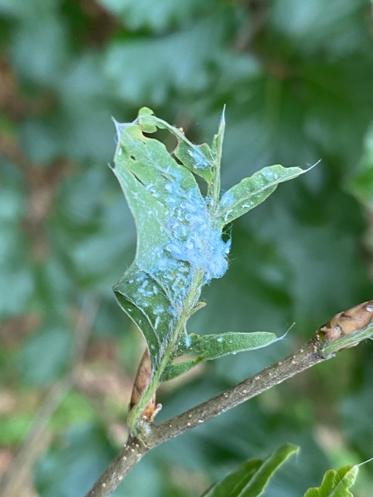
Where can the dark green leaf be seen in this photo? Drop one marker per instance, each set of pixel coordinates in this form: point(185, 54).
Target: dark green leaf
point(235, 482)
point(361, 182)
point(252, 478)
point(156, 16)
point(73, 463)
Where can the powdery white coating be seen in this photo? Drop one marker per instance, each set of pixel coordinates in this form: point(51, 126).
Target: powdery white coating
point(227, 199)
point(193, 238)
point(194, 244)
point(269, 174)
point(200, 161)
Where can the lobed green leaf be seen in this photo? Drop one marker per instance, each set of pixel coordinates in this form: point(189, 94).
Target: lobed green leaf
point(336, 483)
point(178, 241)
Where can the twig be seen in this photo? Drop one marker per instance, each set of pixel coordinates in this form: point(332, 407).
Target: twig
point(251, 387)
point(11, 484)
point(344, 330)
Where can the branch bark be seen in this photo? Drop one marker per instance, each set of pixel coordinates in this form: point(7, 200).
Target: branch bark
point(344, 330)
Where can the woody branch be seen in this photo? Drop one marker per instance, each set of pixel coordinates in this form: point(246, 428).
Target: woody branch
point(344, 330)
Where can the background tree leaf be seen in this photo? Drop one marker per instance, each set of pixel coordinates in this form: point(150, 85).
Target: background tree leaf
point(361, 182)
point(252, 478)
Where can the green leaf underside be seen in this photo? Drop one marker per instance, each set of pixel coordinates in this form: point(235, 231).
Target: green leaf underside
point(336, 483)
point(252, 477)
point(210, 347)
point(221, 344)
point(252, 191)
point(176, 369)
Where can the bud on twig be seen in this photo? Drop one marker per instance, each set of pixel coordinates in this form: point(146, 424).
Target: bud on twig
point(347, 328)
point(141, 383)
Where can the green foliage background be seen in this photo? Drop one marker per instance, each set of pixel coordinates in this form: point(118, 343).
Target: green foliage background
point(297, 79)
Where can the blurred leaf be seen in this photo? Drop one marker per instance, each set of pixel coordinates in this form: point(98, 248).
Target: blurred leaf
point(45, 356)
point(356, 419)
point(22, 10)
point(72, 465)
point(46, 37)
point(14, 428)
point(340, 25)
point(12, 205)
point(40, 141)
point(361, 182)
point(252, 478)
point(16, 287)
point(199, 46)
point(16, 278)
point(336, 483)
point(157, 16)
point(75, 409)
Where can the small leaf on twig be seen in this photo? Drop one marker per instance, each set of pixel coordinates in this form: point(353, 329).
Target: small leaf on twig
point(209, 347)
point(252, 191)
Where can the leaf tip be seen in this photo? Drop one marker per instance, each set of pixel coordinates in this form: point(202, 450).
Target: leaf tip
point(284, 335)
point(315, 164)
point(118, 128)
point(222, 116)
